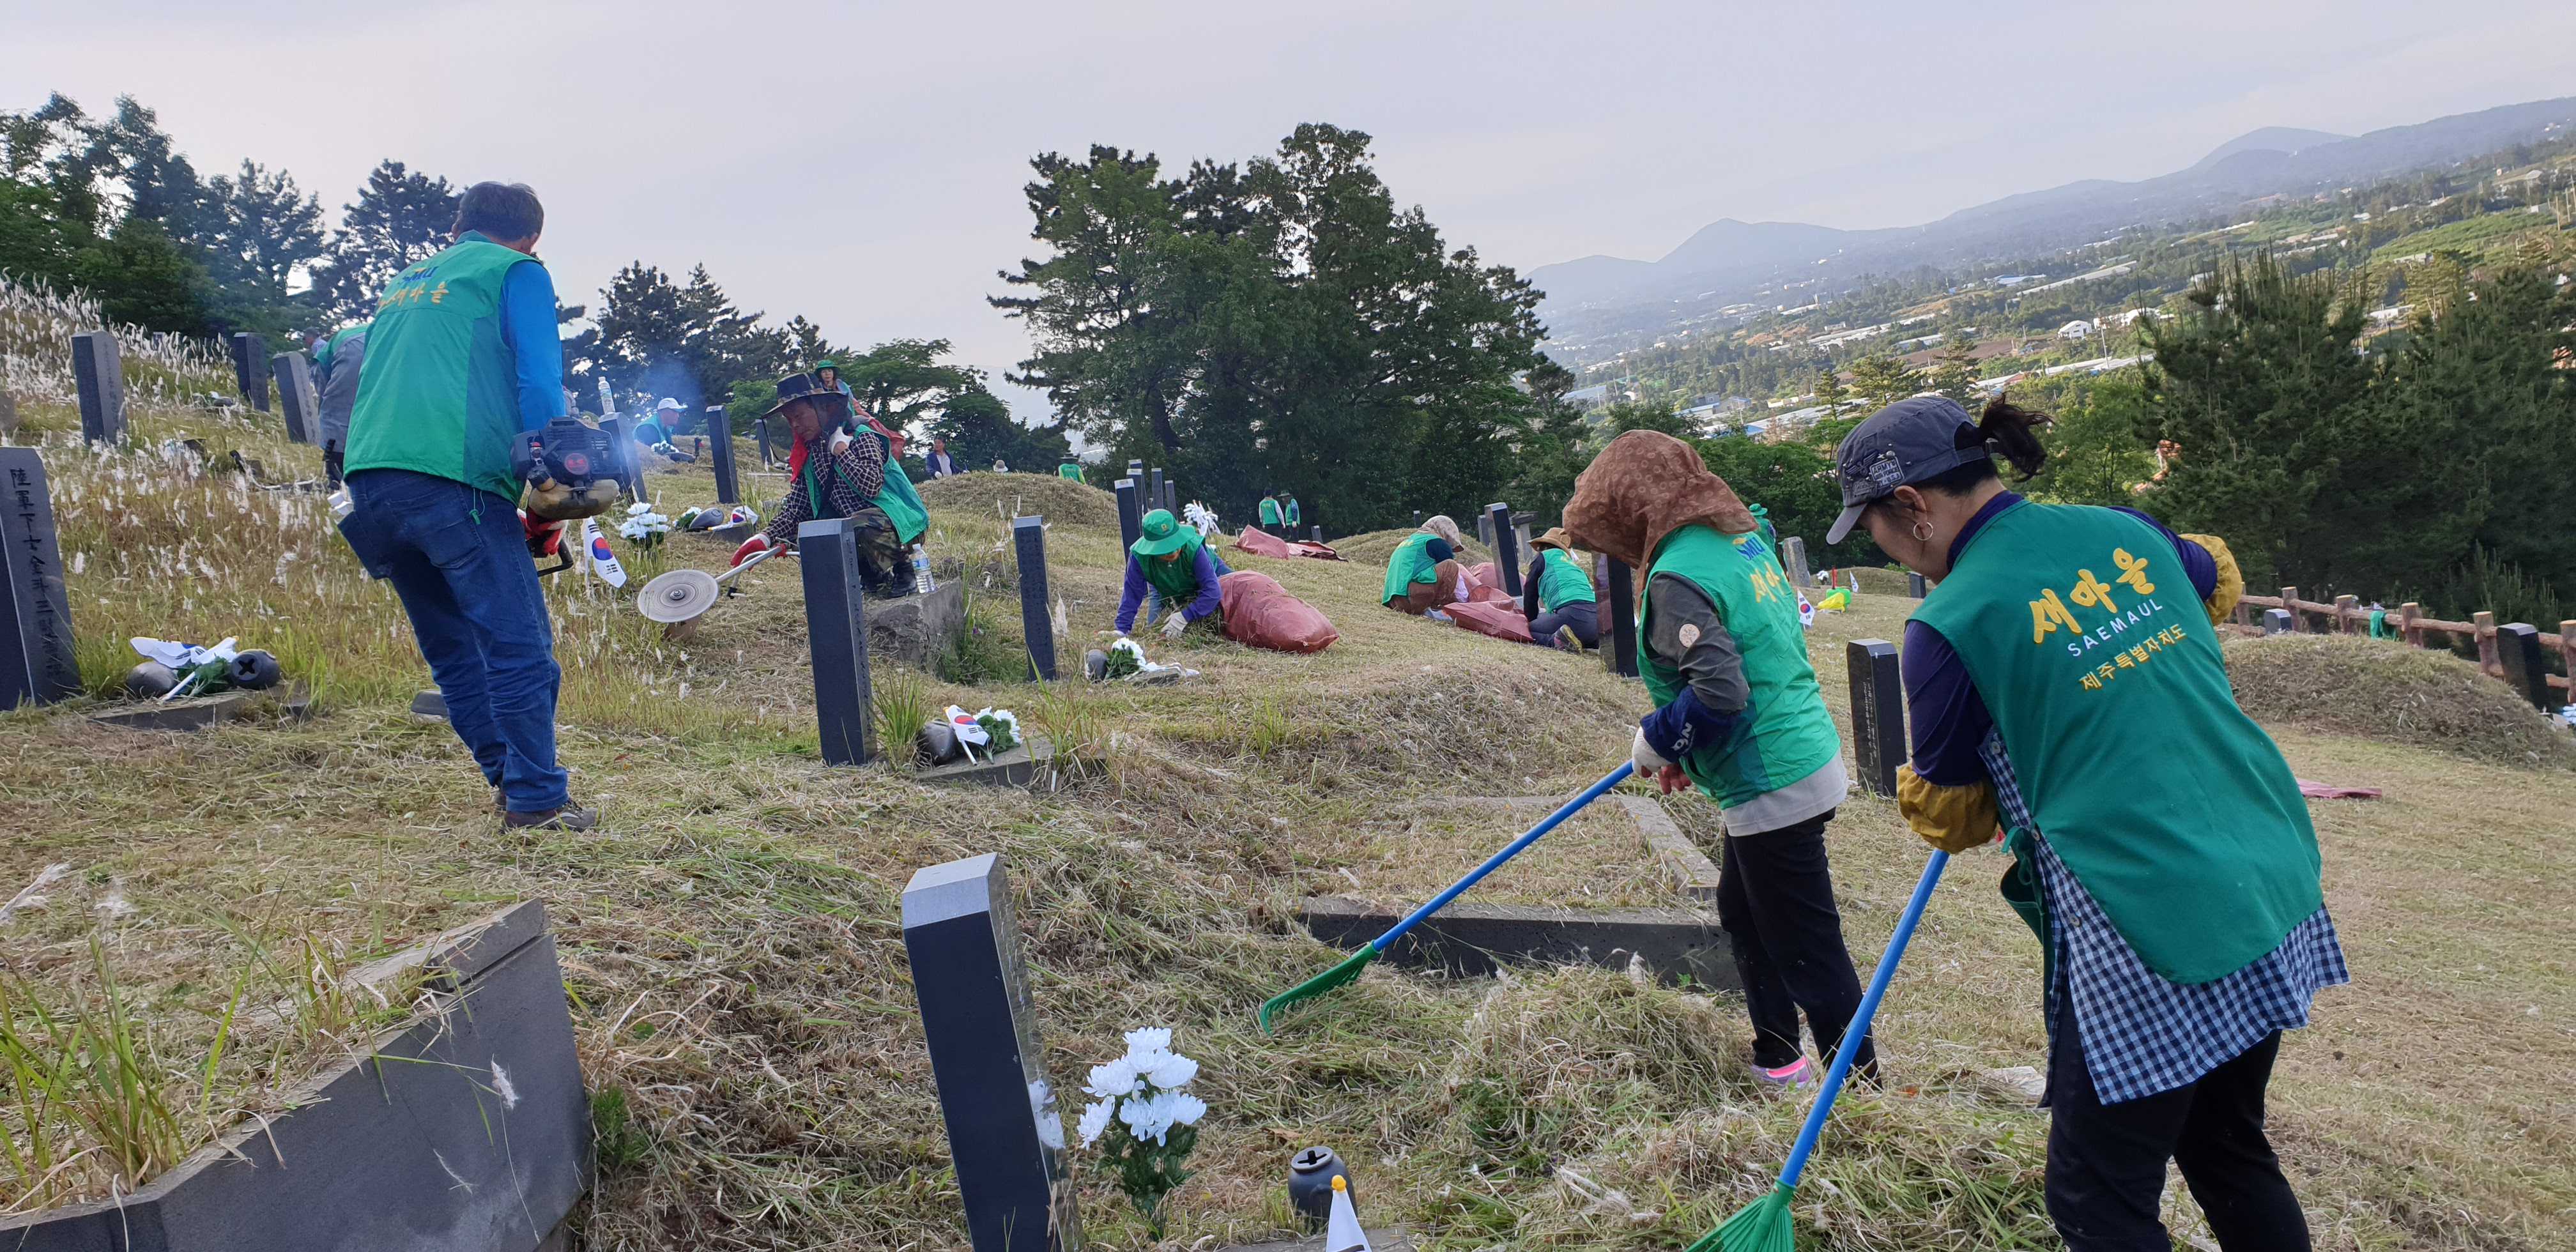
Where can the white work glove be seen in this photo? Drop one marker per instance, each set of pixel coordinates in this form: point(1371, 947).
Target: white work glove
point(840, 440)
point(1643, 756)
point(1174, 625)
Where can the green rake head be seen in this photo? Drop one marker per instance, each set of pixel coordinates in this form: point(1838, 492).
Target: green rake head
point(1762, 1226)
point(1319, 984)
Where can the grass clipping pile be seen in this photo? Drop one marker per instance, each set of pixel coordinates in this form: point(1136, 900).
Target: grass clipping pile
point(2378, 689)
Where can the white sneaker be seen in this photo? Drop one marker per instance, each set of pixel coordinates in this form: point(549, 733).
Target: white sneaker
point(1787, 1079)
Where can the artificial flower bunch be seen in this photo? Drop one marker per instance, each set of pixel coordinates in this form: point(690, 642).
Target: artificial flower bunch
point(643, 526)
point(1149, 1119)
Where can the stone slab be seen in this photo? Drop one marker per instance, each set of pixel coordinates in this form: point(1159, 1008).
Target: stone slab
point(199, 713)
point(1030, 762)
point(468, 1132)
point(1693, 873)
point(1381, 1239)
point(916, 628)
point(429, 704)
point(1474, 939)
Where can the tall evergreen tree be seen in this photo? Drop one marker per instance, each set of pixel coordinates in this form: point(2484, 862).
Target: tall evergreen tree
point(1879, 381)
point(260, 227)
point(399, 217)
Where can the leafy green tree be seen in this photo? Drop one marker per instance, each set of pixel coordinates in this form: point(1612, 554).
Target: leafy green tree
point(62, 227)
point(1955, 375)
point(979, 429)
point(687, 341)
point(1879, 381)
point(260, 228)
point(2095, 454)
point(399, 217)
point(1627, 415)
point(1794, 483)
point(1555, 448)
point(1829, 390)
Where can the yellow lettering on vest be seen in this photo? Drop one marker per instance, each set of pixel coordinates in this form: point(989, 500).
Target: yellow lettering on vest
point(2047, 613)
point(439, 296)
point(2140, 652)
point(2091, 683)
point(2133, 570)
point(2091, 592)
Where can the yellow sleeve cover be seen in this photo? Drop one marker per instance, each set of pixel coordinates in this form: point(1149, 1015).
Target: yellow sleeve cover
point(1953, 819)
point(2231, 581)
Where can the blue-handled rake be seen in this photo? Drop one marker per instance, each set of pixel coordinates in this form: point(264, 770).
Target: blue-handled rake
point(1350, 968)
point(1764, 1225)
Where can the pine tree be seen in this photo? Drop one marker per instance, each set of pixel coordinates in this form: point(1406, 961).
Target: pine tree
point(1955, 375)
point(400, 217)
point(1879, 381)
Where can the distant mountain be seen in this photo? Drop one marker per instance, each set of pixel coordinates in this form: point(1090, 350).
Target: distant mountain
point(1727, 260)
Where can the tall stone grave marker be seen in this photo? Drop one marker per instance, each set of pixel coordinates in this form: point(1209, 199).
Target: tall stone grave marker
point(1130, 517)
point(1005, 1134)
point(1621, 654)
point(760, 440)
point(1319, 534)
point(36, 663)
point(100, 377)
point(1485, 528)
point(1915, 586)
point(1154, 490)
point(1028, 545)
point(1136, 469)
point(250, 367)
point(297, 397)
point(1506, 541)
point(827, 552)
point(2518, 648)
point(1878, 713)
point(1793, 560)
point(720, 435)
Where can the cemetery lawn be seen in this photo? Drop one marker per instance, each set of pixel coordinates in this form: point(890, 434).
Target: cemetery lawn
point(731, 943)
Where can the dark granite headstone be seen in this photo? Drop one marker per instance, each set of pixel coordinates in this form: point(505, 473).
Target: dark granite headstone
point(760, 440)
point(1130, 516)
point(1028, 544)
point(1136, 469)
point(297, 397)
point(2518, 647)
point(1005, 1133)
point(1319, 534)
point(1914, 585)
point(1506, 545)
point(1154, 490)
point(2277, 622)
point(1485, 527)
point(100, 377)
point(250, 367)
point(720, 430)
point(36, 662)
point(827, 552)
point(1417, 519)
point(1621, 655)
point(1878, 714)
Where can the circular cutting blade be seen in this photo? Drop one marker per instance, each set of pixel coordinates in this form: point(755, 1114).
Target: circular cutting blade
point(677, 596)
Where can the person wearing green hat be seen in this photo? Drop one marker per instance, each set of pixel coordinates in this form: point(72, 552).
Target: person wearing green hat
point(1171, 559)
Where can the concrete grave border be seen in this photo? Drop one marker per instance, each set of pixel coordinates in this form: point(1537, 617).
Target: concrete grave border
point(479, 1142)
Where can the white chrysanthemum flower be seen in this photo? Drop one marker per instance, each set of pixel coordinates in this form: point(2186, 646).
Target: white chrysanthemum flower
point(1148, 1117)
point(1187, 1109)
point(1117, 1078)
point(1149, 1039)
point(639, 508)
point(1095, 1119)
point(1172, 1071)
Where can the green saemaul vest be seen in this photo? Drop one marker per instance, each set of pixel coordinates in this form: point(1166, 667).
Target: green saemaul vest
point(1269, 511)
point(1785, 732)
point(2176, 811)
point(1562, 580)
point(1408, 565)
point(1177, 579)
point(896, 497)
point(440, 393)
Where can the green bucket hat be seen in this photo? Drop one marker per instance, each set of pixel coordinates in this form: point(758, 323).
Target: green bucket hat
point(1162, 533)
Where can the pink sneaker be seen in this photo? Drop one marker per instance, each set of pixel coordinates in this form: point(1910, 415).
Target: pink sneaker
point(1787, 1078)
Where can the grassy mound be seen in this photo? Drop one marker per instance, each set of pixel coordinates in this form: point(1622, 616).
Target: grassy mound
point(2375, 689)
point(1373, 547)
point(1056, 499)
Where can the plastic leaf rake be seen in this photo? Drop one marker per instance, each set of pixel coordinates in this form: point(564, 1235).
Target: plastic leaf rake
point(1351, 967)
point(1764, 1226)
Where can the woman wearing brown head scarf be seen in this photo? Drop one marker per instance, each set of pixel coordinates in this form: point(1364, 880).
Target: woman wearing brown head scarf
point(1422, 572)
point(1739, 716)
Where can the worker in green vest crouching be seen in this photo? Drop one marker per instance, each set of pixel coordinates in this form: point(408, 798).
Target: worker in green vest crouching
point(1557, 596)
point(462, 359)
point(834, 469)
point(1422, 572)
point(1738, 714)
point(1173, 560)
point(2064, 683)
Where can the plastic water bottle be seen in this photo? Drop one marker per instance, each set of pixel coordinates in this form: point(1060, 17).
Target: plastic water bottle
point(922, 583)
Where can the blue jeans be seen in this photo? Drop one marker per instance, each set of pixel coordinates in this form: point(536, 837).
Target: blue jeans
point(459, 559)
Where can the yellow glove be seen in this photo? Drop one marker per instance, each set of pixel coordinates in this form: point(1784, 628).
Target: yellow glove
point(1953, 819)
point(2231, 581)
point(557, 502)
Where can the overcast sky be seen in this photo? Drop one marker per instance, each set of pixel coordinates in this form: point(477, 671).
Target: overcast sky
point(862, 163)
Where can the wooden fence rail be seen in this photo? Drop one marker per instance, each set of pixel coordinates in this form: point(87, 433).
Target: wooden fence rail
point(2347, 617)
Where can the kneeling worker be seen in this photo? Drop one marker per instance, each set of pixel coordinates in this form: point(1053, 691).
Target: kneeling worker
point(461, 357)
point(832, 472)
point(1171, 559)
point(1422, 572)
point(1739, 715)
point(1556, 596)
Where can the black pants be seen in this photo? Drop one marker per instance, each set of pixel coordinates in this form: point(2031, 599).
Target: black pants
point(1581, 615)
point(2106, 1162)
point(1775, 900)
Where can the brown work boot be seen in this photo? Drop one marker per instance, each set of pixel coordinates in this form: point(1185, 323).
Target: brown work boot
point(569, 817)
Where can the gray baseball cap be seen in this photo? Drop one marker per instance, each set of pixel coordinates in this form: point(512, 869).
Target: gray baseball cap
point(1906, 442)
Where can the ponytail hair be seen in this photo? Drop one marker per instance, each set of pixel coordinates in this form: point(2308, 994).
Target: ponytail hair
point(2011, 432)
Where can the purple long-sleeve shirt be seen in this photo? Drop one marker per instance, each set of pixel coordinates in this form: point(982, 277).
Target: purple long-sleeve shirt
point(1949, 718)
point(1202, 562)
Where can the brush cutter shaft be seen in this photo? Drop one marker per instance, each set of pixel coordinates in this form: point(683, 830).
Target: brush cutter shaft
point(1440, 901)
point(755, 559)
point(1861, 1018)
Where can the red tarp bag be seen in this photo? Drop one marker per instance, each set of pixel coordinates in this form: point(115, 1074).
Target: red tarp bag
point(1502, 621)
point(1259, 613)
point(1260, 542)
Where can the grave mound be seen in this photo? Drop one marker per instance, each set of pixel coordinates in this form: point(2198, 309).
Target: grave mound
point(1373, 547)
point(2381, 689)
point(1061, 501)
